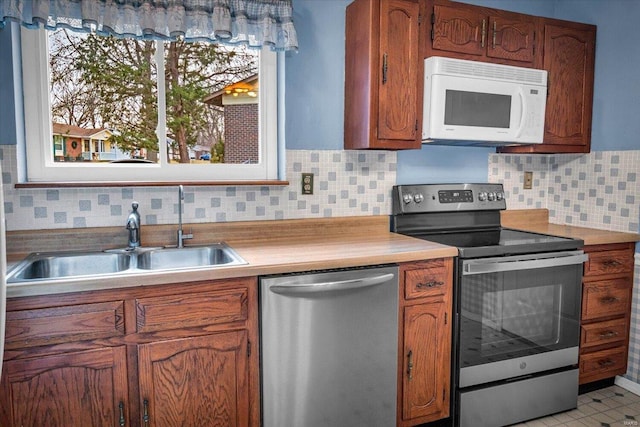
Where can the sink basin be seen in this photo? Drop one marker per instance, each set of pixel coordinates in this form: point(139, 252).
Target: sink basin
point(189, 257)
point(62, 265)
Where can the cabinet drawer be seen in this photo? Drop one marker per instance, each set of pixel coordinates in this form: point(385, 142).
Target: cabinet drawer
point(32, 328)
point(191, 310)
point(425, 282)
point(603, 364)
point(609, 262)
point(605, 298)
point(603, 333)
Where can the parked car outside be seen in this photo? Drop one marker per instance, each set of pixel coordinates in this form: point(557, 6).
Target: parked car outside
point(205, 156)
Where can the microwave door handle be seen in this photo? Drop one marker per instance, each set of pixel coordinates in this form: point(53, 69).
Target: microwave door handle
point(523, 112)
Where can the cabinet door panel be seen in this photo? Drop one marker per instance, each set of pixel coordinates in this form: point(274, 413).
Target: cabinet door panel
point(511, 40)
point(459, 29)
point(74, 389)
point(569, 55)
point(427, 361)
point(398, 97)
point(199, 381)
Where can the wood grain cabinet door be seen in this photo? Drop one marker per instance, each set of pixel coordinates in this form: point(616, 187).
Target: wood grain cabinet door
point(511, 39)
point(425, 384)
point(87, 388)
point(459, 29)
point(201, 381)
point(400, 66)
point(569, 56)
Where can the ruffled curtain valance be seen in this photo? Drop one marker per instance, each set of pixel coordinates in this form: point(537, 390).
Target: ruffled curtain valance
point(253, 22)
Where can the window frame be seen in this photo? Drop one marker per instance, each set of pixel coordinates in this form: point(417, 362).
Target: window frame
point(38, 131)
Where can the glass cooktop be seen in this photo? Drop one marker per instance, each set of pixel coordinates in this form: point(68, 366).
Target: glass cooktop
point(502, 241)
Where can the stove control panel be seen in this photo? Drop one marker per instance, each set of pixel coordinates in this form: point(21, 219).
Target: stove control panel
point(447, 198)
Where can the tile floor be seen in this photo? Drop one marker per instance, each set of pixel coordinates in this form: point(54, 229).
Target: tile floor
point(608, 407)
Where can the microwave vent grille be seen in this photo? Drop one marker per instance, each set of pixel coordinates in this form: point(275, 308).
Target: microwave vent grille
point(490, 71)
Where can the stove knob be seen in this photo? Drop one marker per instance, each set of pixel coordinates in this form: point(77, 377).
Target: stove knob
point(491, 196)
point(418, 198)
point(482, 196)
point(407, 198)
point(499, 195)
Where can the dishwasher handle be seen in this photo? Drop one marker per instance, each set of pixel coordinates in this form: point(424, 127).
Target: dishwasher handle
point(494, 265)
point(339, 285)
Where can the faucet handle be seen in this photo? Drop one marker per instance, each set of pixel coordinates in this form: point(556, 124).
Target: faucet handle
point(134, 206)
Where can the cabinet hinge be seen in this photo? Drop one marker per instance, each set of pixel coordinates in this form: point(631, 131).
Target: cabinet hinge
point(416, 125)
point(248, 348)
point(444, 394)
point(446, 318)
point(419, 19)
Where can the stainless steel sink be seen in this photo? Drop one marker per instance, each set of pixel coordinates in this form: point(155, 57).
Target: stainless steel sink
point(70, 265)
point(188, 257)
point(62, 265)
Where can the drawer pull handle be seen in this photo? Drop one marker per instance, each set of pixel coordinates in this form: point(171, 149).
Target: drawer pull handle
point(609, 300)
point(410, 365)
point(611, 263)
point(430, 284)
point(608, 334)
point(605, 363)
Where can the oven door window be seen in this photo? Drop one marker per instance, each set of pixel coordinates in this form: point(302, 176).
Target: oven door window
point(507, 315)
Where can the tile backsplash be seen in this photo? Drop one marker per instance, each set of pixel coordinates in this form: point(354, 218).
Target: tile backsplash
point(600, 189)
point(347, 183)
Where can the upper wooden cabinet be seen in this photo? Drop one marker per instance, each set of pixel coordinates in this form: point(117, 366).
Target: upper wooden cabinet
point(569, 58)
point(476, 33)
point(565, 49)
point(383, 75)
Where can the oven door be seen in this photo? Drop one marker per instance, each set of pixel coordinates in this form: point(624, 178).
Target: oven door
point(518, 315)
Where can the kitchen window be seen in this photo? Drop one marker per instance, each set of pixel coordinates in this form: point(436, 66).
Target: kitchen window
point(103, 109)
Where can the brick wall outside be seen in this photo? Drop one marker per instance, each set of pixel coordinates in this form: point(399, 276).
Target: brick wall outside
point(241, 133)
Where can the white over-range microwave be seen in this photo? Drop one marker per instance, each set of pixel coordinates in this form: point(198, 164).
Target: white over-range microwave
point(478, 103)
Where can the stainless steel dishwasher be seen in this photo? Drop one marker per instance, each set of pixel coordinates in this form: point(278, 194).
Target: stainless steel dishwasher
point(329, 348)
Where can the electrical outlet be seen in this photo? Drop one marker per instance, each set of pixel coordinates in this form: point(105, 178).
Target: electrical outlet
point(307, 183)
point(528, 181)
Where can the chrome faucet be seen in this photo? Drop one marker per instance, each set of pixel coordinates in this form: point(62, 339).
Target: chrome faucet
point(181, 236)
point(133, 225)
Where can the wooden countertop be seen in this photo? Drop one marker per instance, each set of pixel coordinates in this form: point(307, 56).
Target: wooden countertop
point(537, 220)
point(269, 247)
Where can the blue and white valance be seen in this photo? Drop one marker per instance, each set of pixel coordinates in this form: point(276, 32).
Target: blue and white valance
point(253, 22)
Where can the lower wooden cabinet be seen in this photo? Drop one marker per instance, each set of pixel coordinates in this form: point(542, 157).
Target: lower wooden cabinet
point(84, 388)
point(174, 355)
point(606, 311)
point(200, 381)
point(425, 348)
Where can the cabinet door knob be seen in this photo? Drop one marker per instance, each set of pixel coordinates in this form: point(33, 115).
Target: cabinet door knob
point(410, 365)
point(384, 68)
point(145, 412)
point(121, 420)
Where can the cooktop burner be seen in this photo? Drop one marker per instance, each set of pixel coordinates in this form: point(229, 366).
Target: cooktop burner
point(466, 216)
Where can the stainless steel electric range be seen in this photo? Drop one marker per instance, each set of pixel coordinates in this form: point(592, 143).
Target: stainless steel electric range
point(517, 299)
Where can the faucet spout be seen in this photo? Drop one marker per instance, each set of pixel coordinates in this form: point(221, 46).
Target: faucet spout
point(133, 225)
point(181, 236)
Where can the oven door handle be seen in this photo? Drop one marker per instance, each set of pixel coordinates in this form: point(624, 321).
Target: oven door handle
point(493, 266)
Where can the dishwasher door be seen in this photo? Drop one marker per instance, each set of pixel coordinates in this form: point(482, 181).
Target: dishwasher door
point(329, 348)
